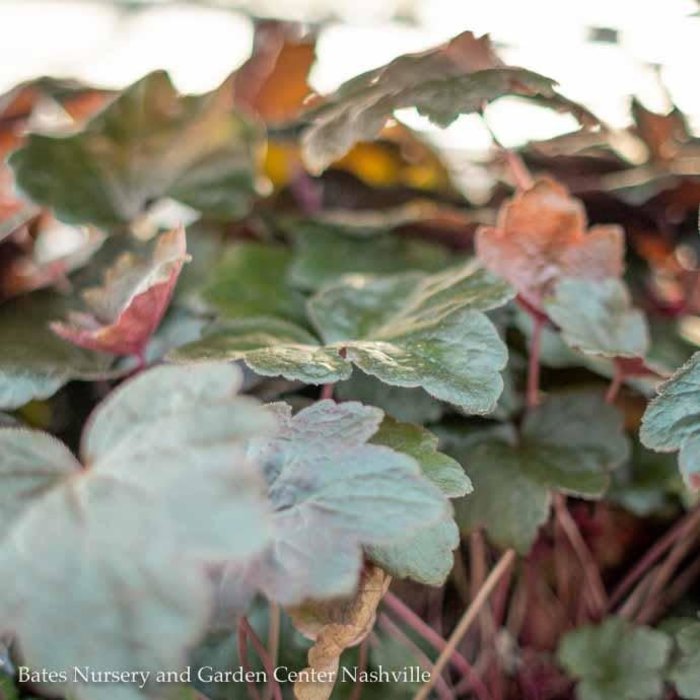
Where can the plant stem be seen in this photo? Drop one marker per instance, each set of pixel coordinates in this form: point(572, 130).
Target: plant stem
point(245, 660)
point(615, 385)
point(249, 633)
point(363, 657)
point(533, 365)
point(688, 522)
point(590, 568)
point(392, 629)
point(677, 554)
point(504, 563)
point(326, 392)
point(406, 615)
point(518, 169)
point(273, 642)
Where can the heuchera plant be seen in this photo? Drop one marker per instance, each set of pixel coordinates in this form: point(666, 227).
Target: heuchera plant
point(348, 423)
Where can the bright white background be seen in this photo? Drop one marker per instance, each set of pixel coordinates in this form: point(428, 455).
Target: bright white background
point(200, 43)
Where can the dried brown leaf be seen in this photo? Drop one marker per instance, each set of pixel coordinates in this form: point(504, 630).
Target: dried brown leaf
point(541, 236)
point(335, 626)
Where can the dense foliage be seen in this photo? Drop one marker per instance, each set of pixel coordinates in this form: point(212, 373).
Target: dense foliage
point(270, 378)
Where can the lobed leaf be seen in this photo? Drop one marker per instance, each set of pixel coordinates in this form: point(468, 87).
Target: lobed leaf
point(332, 493)
point(425, 556)
point(458, 77)
point(123, 544)
point(409, 330)
point(147, 143)
point(615, 660)
point(541, 237)
point(672, 420)
point(570, 444)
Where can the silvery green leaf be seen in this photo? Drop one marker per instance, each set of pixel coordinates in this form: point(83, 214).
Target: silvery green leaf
point(419, 330)
point(178, 432)
point(99, 581)
point(597, 317)
point(672, 419)
point(270, 347)
point(333, 493)
point(425, 556)
point(31, 463)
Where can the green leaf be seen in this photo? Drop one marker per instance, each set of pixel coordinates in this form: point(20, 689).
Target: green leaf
point(597, 318)
point(576, 439)
point(672, 420)
point(442, 83)
point(148, 143)
point(332, 493)
point(324, 253)
point(410, 330)
point(160, 429)
point(684, 670)
point(615, 660)
point(34, 362)
point(32, 463)
point(425, 556)
point(410, 405)
point(250, 280)
point(94, 546)
point(126, 544)
point(415, 330)
point(270, 347)
point(419, 443)
point(507, 502)
point(569, 444)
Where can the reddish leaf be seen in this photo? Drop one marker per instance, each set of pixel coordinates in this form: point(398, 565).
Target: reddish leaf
point(541, 236)
point(126, 310)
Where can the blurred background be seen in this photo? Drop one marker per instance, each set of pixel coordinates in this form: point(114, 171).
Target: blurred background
point(602, 52)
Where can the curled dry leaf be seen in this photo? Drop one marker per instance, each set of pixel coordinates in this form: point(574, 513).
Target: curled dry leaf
point(126, 310)
point(334, 626)
point(541, 237)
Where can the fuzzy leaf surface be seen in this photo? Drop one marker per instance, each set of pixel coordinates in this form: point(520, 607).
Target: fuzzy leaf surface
point(414, 330)
point(332, 493)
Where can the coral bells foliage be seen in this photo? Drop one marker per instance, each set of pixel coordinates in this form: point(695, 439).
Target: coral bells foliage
point(541, 236)
point(363, 431)
point(126, 309)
